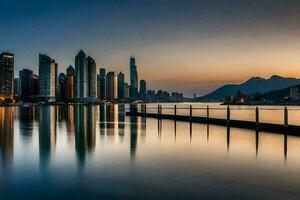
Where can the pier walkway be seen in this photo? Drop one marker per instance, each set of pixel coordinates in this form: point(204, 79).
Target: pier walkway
point(283, 128)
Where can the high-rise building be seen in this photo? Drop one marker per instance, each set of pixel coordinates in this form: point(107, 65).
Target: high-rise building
point(126, 91)
point(111, 86)
point(26, 84)
point(143, 89)
point(102, 86)
point(98, 86)
point(62, 86)
point(121, 82)
point(17, 86)
point(92, 78)
point(71, 83)
point(47, 77)
point(35, 85)
point(82, 75)
point(133, 78)
point(6, 76)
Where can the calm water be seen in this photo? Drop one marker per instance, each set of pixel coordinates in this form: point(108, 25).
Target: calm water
point(88, 152)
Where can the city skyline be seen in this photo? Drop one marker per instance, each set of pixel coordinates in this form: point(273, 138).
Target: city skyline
point(193, 46)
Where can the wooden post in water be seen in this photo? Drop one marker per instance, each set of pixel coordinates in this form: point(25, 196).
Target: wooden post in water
point(257, 117)
point(207, 113)
point(285, 117)
point(175, 111)
point(228, 115)
point(158, 109)
point(191, 111)
point(145, 109)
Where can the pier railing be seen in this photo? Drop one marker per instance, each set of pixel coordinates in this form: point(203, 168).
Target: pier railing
point(253, 116)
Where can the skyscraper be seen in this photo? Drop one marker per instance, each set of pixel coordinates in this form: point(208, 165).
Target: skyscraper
point(17, 86)
point(6, 76)
point(102, 86)
point(47, 77)
point(82, 75)
point(111, 86)
point(143, 89)
point(121, 82)
point(133, 78)
point(26, 84)
point(92, 78)
point(71, 83)
point(62, 83)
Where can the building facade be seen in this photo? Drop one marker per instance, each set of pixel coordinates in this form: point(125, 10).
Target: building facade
point(47, 78)
point(71, 83)
point(102, 86)
point(82, 75)
point(133, 78)
point(92, 78)
point(111, 86)
point(143, 89)
point(6, 76)
point(121, 82)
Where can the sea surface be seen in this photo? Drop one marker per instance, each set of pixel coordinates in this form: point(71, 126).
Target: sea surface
point(97, 152)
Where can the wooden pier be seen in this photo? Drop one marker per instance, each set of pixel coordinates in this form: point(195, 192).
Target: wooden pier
point(284, 128)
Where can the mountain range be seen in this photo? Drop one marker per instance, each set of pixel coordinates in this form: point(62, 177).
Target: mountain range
point(251, 86)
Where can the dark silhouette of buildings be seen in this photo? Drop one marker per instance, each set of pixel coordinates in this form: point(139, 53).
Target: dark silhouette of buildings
point(102, 86)
point(133, 79)
point(143, 89)
point(121, 82)
point(62, 87)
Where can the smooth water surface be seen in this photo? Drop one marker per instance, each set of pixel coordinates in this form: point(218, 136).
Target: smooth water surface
point(96, 152)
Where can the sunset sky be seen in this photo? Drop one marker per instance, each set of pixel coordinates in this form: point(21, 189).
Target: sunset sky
point(182, 45)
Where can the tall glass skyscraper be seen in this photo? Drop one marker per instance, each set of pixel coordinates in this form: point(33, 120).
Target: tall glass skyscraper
point(92, 78)
point(47, 77)
point(82, 75)
point(121, 82)
point(133, 79)
point(102, 86)
point(111, 86)
point(6, 76)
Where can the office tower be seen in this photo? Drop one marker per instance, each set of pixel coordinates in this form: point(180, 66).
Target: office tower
point(6, 76)
point(82, 75)
point(25, 84)
point(143, 89)
point(126, 91)
point(111, 86)
point(102, 86)
point(121, 82)
point(47, 77)
point(133, 78)
point(62, 86)
point(98, 86)
point(17, 86)
point(92, 81)
point(35, 85)
point(71, 83)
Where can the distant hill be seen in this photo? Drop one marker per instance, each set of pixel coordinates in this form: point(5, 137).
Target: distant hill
point(251, 86)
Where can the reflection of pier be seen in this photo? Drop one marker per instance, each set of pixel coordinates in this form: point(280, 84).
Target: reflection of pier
point(254, 125)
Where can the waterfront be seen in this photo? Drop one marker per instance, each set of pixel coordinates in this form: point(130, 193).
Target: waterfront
point(76, 152)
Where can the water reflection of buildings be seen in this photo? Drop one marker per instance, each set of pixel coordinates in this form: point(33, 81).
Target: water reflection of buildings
point(111, 111)
point(47, 133)
point(102, 119)
point(27, 118)
point(6, 137)
point(133, 134)
point(85, 131)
